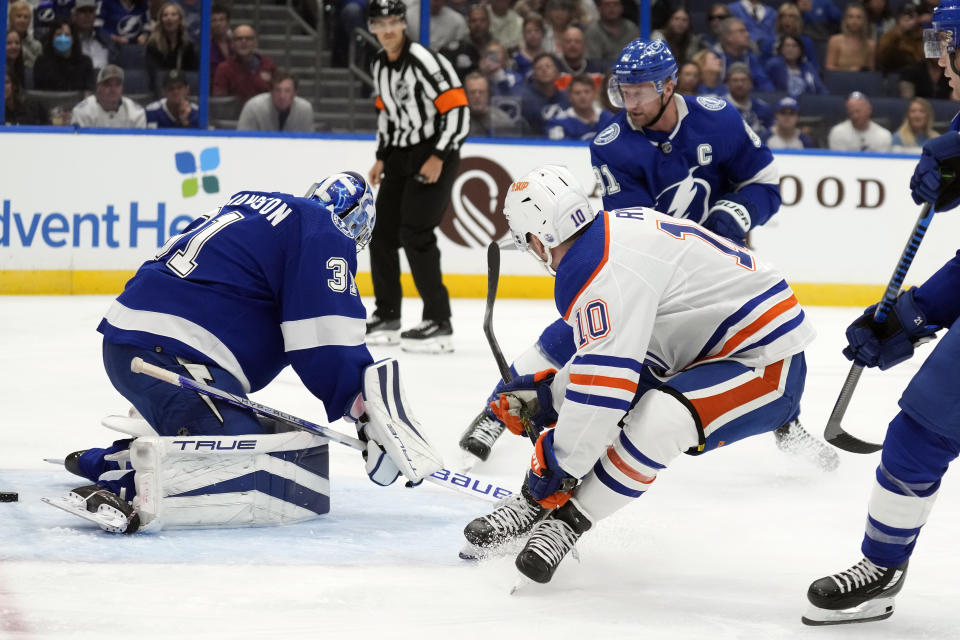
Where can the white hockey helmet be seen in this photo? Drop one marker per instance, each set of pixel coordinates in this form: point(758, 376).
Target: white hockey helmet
point(548, 203)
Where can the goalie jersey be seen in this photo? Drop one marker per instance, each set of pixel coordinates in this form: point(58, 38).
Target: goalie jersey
point(642, 289)
point(710, 155)
point(263, 282)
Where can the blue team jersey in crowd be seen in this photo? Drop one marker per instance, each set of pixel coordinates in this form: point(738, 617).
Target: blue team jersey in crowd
point(120, 21)
point(567, 125)
point(159, 117)
point(265, 281)
point(50, 10)
point(710, 154)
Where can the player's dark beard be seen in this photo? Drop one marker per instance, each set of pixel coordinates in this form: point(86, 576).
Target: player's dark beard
point(656, 118)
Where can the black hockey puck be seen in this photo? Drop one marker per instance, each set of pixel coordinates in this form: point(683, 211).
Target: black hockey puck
point(9, 496)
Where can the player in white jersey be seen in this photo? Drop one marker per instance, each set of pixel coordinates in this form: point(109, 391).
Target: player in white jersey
point(686, 342)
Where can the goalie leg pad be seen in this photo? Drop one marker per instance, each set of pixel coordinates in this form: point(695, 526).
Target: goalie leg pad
point(393, 426)
point(231, 481)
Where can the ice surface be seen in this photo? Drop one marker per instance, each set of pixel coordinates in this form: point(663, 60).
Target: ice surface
point(723, 546)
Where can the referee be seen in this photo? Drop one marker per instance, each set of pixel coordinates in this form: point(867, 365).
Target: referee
point(423, 120)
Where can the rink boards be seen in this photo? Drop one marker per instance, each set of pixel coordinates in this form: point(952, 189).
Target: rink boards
point(80, 211)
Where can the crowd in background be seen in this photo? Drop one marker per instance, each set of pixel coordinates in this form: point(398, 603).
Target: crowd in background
point(531, 68)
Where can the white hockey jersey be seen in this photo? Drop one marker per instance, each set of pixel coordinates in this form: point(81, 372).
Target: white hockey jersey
point(640, 288)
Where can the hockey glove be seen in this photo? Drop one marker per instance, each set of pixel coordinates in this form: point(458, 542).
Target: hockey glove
point(379, 466)
point(935, 178)
point(887, 343)
point(549, 484)
point(526, 400)
point(729, 219)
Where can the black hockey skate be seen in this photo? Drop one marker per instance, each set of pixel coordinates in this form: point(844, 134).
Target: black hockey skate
point(430, 336)
point(512, 518)
point(862, 593)
point(792, 438)
point(385, 331)
point(552, 539)
point(479, 437)
point(72, 463)
point(96, 504)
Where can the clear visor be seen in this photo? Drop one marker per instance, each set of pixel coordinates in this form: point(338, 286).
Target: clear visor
point(387, 23)
point(628, 96)
point(937, 42)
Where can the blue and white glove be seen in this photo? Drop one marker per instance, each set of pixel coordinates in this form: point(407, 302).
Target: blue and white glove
point(934, 179)
point(379, 467)
point(887, 343)
point(526, 400)
point(549, 484)
point(729, 219)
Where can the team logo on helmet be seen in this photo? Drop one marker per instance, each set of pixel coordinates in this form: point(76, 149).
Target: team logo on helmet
point(711, 103)
point(608, 135)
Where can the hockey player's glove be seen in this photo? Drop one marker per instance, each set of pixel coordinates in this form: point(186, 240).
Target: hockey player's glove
point(729, 219)
point(379, 467)
point(935, 178)
point(549, 484)
point(885, 344)
point(526, 400)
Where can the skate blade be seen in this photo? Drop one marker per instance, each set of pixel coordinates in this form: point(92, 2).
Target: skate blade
point(468, 461)
point(522, 583)
point(879, 609)
point(58, 461)
point(106, 518)
point(472, 552)
point(432, 345)
point(384, 338)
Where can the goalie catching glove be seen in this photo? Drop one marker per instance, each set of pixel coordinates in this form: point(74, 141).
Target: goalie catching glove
point(526, 401)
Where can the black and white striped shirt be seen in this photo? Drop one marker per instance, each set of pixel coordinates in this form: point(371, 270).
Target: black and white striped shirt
point(420, 98)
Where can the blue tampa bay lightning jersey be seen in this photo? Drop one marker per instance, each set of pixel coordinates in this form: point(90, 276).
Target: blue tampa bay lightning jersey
point(120, 20)
point(264, 281)
point(710, 155)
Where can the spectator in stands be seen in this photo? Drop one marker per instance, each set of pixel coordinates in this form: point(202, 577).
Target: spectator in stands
point(246, 73)
point(221, 40)
point(925, 79)
point(790, 70)
point(858, 132)
point(756, 113)
point(852, 49)
point(125, 21)
point(757, 17)
point(486, 121)
point(280, 110)
point(532, 46)
point(607, 37)
point(108, 107)
point(19, 19)
point(790, 23)
point(715, 16)
point(917, 127)
point(735, 47)
point(191, 17)
point(541, 98)
point(350, 15)
point(169, 46)
point(447, 27)
point(902, 45)
point(785, 134)
point(530, 7)
point(573, 60)
point(558, 16)
point(478, 27)
point(18, 108)
point(502, 81)
point(879, 18)
point(464, 54)
point(97, 46)
point(688, 79)
point(583, 118)
point(679, 36)
point(62, 66)
point(174, 110)
point(46, 12)
point(506, 25)
point(15, 65)
point(711, 73)
point(821, 18)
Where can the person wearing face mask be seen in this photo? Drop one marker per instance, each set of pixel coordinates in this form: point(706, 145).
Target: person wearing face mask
point(62, 66)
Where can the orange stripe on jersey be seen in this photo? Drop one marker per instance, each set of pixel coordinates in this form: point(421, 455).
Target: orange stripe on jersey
point(604, 381)
point(754, 327)
point(603, 261)
point(450, 99)
point(380, 105)
point(712, 407)
point(627, 470)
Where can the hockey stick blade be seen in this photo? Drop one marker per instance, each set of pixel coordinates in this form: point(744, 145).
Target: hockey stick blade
point(834, 432)
point(448, 479)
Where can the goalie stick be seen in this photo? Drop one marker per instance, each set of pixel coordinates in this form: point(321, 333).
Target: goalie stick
point(834, 432)
point(458, 482)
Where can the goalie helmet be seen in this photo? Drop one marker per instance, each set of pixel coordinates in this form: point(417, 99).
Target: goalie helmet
point(548, 203)
point(944, 35)
point(348, 198)
point(641, 62)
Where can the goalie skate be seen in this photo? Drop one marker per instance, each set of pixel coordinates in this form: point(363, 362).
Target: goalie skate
point(793, 439)
point(862, 593)
point(105, 509)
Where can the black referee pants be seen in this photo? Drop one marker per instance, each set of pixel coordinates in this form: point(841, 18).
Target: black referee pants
point(407, 214)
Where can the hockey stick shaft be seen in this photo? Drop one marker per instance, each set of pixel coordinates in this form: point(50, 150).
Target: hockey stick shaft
point(834, 432)
point(457, 482)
